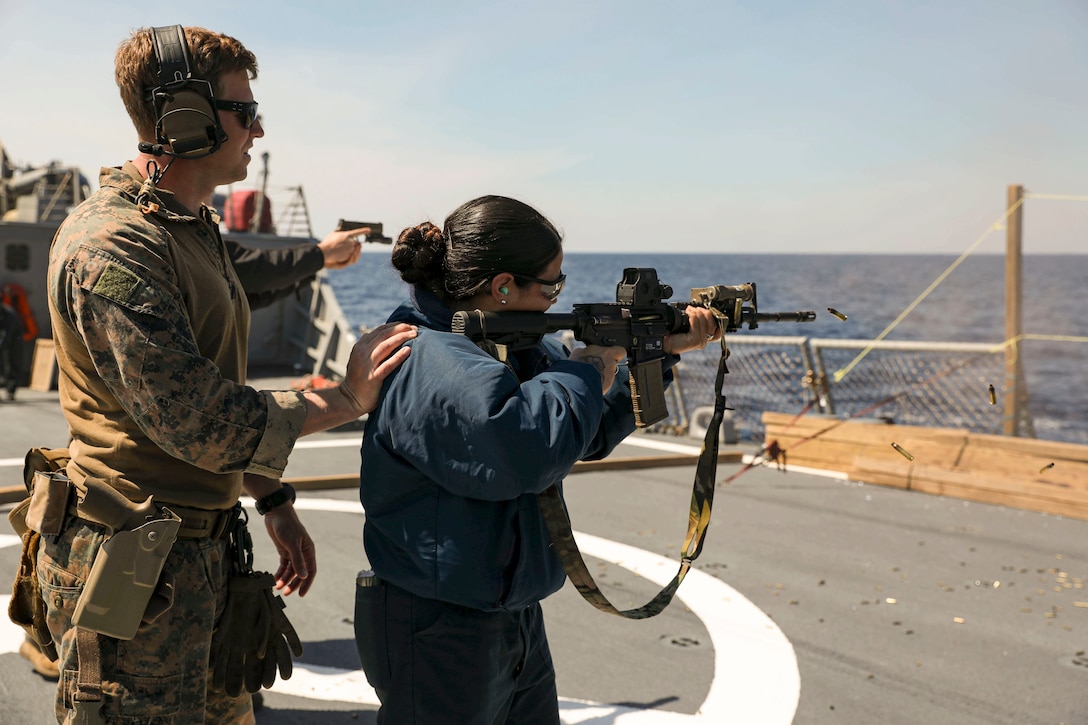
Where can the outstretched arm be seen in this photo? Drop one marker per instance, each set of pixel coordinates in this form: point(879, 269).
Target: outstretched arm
point(342, 249)
point(704, 330)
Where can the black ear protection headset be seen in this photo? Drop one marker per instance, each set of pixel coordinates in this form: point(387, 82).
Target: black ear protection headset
point(188, 126)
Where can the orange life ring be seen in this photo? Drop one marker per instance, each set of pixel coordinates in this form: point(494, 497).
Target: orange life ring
point(15, 297)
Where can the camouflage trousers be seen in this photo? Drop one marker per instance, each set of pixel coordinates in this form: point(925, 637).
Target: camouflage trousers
point(161, 676)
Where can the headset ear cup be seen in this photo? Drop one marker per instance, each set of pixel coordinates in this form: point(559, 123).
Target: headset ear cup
point(188, 123)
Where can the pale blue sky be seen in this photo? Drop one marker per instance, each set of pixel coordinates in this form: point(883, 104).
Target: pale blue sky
point(775, 126)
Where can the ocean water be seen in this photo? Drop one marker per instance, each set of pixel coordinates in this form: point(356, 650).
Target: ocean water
point(872, 290)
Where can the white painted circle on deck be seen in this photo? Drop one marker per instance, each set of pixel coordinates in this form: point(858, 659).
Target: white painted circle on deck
point(755, 680)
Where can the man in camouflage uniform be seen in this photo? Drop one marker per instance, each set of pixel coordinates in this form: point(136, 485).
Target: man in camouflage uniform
point(150, 325)
point(266, 275)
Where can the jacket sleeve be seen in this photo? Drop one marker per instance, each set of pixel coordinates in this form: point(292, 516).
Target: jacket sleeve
point(464, 420)
point(618, 419)
point(268, 275)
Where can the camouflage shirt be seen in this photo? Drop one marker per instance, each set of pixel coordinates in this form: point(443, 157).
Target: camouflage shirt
point(150, 326)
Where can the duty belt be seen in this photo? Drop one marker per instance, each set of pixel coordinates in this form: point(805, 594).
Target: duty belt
point(195, 523)
point(202, 523)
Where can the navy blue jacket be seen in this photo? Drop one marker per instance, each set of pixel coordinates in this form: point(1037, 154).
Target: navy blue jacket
point(458, 448)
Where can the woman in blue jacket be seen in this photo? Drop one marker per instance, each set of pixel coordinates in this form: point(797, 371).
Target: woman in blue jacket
point(449, 629)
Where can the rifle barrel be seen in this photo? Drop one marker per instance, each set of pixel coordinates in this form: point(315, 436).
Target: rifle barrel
point(799, 316)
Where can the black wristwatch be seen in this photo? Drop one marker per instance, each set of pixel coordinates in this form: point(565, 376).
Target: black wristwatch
point(285, 493)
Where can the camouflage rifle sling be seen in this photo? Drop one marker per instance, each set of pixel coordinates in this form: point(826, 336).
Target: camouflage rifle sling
point(702, 499)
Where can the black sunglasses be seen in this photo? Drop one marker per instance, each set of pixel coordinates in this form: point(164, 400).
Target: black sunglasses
point(550, 288)
point(247, 110)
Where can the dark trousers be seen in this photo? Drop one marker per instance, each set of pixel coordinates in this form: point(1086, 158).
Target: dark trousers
point(433, 663)
point(12, 370)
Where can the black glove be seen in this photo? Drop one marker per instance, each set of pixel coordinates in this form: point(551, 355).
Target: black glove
point(254, 638)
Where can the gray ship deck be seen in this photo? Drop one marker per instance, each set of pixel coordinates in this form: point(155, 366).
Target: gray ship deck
point(816, 600)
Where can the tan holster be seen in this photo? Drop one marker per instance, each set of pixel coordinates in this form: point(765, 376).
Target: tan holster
point(124, 586)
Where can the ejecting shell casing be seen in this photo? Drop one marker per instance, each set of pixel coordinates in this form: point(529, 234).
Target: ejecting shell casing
point(993, 396)
point(902, 451)
point(836, 313)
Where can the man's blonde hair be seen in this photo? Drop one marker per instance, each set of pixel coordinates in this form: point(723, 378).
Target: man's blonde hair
point(136, 69)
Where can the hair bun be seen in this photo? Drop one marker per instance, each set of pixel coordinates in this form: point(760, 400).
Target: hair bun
point(420, 253)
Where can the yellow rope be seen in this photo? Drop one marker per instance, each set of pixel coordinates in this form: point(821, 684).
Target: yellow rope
point(1057, 197)
point(840, 374)
point(1032, 336)
point(1056, 338)
point(1006, 343)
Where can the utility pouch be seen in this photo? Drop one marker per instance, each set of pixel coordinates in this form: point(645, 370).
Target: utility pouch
point(124, 575)
point(370, 629)
point(17, 518)
point(45, 509)
point(49, 497)
point(26, 607)
point(43, 459)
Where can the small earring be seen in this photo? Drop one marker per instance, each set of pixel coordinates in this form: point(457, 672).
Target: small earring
point(502, 302)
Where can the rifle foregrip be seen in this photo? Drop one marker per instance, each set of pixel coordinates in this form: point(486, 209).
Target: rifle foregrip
point(648, 393)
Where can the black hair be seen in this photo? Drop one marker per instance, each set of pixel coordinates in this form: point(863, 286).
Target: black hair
point(481, 238)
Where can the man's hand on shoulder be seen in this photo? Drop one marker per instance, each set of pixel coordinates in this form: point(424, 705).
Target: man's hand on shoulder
point(374, 357)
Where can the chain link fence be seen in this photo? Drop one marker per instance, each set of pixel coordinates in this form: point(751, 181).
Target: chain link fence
point(934, 384)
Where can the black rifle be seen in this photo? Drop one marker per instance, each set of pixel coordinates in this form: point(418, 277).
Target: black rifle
point(638, 321)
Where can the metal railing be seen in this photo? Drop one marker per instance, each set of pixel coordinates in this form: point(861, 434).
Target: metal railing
point(934, 384)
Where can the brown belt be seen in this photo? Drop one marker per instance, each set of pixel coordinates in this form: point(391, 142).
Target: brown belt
point(201, 523)
point(195, 523)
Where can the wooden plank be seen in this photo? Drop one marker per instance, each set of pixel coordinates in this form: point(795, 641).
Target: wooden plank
point(917, 450)
point(986, 468)
point(323, 483)
point(862, 431)
point(828, 428)
point(1024, 486)
point(822, 454)
point(969, 485)
point(881, 471)
point(839, 448)
point(317, 483)
point(43, 368)
point(1024, 464)
point(1054, 450)
point(14, 494)
point(640, 462)
point(620, 463)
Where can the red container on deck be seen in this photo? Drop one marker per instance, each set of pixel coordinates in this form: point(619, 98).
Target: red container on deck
point(240, 209)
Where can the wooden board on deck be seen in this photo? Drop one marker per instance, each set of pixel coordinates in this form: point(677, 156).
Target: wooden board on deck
point(1047, 476)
